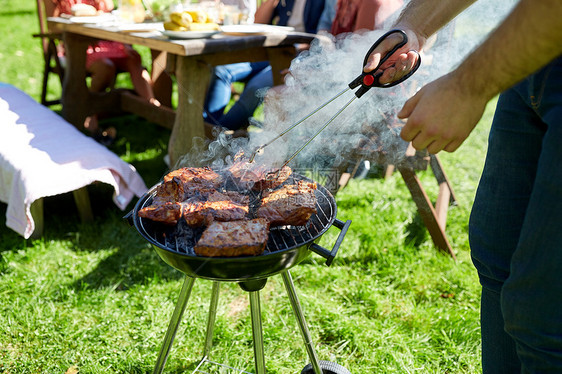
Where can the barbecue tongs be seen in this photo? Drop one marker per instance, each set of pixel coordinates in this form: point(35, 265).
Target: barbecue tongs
point(365, 80)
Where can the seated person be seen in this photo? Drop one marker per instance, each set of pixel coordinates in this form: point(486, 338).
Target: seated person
point(356, 15)
point(303, 15)
point(256, 75)
point(105, 58)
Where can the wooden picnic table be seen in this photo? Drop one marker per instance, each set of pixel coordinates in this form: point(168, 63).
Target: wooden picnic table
point(191, 61)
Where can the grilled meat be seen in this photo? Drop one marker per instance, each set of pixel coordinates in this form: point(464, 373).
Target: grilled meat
point(184, 183)
point(234, 238)
point(218, 206)
point(273, 178)
point(202, 175)
point(197, 195)
point(166, 212)
point(257, 177)
point(289, 205)
point(236, 197)
point(197, 212)
point(176, 187)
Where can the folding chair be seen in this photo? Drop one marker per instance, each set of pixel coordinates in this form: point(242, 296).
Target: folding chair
point(53, 63)
point(51, 59)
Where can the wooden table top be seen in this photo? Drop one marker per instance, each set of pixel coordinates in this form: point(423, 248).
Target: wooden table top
point(153, 38)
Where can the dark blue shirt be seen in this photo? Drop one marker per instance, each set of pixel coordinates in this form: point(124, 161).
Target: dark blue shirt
point(312, 12)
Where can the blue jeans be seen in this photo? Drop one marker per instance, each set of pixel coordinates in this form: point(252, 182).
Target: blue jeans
point(516, 229)
point(256, 75)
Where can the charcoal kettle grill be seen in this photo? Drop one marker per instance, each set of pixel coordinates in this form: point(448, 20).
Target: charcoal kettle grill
point(286, 247)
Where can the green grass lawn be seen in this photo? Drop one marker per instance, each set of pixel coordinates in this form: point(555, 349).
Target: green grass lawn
point(97, 299)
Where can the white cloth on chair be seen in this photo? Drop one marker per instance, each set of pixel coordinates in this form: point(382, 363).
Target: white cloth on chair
point(43, 155)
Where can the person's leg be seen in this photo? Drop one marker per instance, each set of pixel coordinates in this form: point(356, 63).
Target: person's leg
point(140, 77)
point(218, 94)
point(532, 295)
point(499, 355)
point(102, 72)
point(238, 115)
point(162, 83)
point(515, 231)
point(497, 216)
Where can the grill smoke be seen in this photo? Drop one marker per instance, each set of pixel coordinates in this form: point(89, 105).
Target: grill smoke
point(368, 127)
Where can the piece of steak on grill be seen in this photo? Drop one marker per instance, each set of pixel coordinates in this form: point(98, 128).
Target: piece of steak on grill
point(168, 212)
point(218, 206)
point(291, 204)
point(272, 178)
point(235, 197)
point(252, 176)
point(234, 238)
point(194, 175)
point(183, 183)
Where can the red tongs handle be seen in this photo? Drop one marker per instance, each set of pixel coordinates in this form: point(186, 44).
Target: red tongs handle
point(371, 79)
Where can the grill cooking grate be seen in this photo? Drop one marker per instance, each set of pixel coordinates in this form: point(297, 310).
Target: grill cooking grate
point(182, 238)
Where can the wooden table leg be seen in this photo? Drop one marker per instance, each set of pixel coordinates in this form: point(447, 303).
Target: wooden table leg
point(426, 210)
point(74, 90)
point(193, 77)
point(81, 102)
point(161, 81)
point(280, 59)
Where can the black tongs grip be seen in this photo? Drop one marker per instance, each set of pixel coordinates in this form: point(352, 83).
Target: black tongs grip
point(371, 79)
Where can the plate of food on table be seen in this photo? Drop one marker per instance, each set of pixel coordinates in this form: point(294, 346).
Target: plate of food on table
point(190, 24)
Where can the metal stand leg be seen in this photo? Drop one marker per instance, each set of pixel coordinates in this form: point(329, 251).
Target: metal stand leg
point(257, 332)
point(173, 325)
point(211, 319)
point(297, 310)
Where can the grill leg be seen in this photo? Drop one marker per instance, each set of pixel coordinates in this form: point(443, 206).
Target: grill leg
point(211, 319)
point(257, 332)
point(173, 325)
point(297, 310)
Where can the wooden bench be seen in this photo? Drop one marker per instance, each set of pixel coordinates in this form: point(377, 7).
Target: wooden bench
point(42, 155)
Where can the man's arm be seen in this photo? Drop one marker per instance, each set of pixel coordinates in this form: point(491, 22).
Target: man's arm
point(443, 113)
point(529, 38)
point(265, 11)
point(426, 17)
